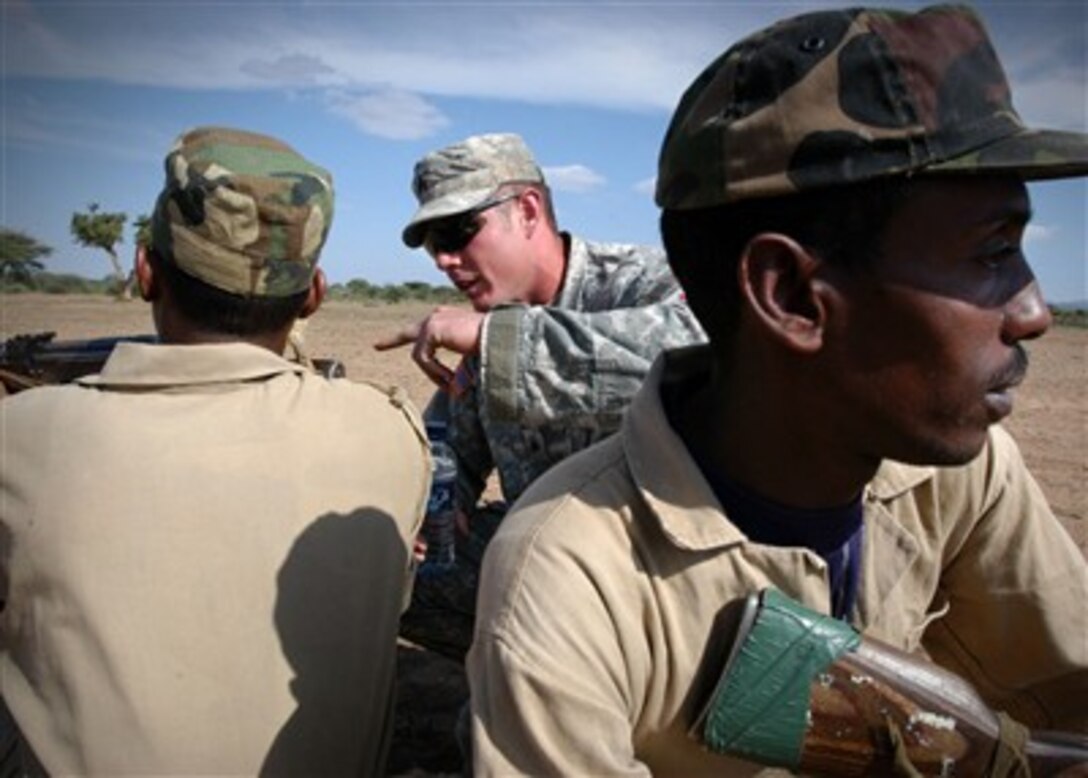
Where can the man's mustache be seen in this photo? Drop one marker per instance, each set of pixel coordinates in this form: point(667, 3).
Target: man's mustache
point(1013, 373)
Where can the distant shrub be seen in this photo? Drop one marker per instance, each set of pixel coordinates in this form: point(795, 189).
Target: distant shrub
point(356, 290)
point(57, 283)
point(1070, 317)
point(359, 290)
point(69, 283)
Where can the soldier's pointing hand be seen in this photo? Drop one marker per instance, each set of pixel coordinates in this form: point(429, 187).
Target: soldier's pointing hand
point(454, 329)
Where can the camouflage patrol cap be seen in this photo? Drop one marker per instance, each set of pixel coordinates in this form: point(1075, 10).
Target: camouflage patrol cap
point(837, 97)
point(460, 177)
point(242, 212)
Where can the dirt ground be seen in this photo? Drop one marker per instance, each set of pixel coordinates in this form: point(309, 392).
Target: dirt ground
point(1050, 422)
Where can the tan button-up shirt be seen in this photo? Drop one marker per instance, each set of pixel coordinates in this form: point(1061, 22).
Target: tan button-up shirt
point(204, 556)
point(610, 597)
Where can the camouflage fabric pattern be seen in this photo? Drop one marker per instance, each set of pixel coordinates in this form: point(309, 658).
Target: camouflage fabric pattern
point(242, 212)
point(835, 97)
point(461, 176)
point(553, 380)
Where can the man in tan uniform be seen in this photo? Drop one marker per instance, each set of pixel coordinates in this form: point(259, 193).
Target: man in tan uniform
point(844, 205)
point(204, 550)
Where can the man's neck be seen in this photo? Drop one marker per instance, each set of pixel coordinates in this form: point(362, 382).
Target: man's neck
point(552, 268)
point(273, 343)
point(744, 430)
point(175, 330)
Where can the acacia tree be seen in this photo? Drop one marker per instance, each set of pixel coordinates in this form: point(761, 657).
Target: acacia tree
point(19, 255)
point(142, 225)
point(103, 231)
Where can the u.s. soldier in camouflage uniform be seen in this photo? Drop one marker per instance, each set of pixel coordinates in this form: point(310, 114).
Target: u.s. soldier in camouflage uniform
point(560, 335)
point(844, 205)
point(205, 549)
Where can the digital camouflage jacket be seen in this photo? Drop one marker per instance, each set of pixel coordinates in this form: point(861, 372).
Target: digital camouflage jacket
point(551, 380)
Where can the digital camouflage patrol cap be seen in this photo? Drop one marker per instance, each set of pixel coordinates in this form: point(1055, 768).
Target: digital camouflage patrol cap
point(242, 212)
point(460, 177)
point(838, 97)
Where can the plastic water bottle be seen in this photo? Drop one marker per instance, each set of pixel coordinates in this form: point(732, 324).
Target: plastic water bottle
point(439, 525)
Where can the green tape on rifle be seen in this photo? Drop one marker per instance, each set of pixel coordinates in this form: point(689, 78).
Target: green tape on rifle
point(759, 709)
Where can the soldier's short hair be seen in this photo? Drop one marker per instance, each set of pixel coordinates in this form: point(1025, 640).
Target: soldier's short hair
point(224, 312)
point(842, 227)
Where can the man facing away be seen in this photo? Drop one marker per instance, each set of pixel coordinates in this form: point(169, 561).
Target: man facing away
point(204, 550)
point(560, 335)
point(844, 205)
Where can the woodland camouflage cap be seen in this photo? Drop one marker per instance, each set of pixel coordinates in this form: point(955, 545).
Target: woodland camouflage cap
point(460, 177)
point(242, 212)
point(836, 97)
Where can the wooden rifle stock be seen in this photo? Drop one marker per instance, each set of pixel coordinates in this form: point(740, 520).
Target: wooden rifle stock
point(877, 700)
point(803, 691)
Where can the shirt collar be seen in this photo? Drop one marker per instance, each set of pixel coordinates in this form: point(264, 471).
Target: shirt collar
point(895, 478)
point(665, 473)
point(577, 261)
point(158, 365)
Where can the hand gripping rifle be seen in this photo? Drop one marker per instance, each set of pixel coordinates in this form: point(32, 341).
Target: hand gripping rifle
point(807, 692)
point(31, 360)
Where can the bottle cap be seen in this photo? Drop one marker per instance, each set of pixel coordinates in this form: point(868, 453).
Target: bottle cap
point(436, 429)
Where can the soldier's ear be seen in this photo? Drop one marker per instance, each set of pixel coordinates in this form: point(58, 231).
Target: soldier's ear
point(146, 278)
point(319, 286)
point(779, 282)
point(531, 207)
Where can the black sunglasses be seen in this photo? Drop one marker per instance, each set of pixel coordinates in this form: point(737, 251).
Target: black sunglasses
point(452, 234)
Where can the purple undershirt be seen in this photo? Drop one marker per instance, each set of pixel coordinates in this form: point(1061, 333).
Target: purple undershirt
point(833, 533)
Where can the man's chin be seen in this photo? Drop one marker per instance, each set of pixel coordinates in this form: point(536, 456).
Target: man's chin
point(951, 452)
point(482, 298)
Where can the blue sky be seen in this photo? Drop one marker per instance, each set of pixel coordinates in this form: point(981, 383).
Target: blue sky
point(93, 93)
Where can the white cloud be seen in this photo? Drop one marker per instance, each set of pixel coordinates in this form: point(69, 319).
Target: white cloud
point(1038, 233)
point(646, 186)
point(573, 178)
point(626, 56)
point(389, 113)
